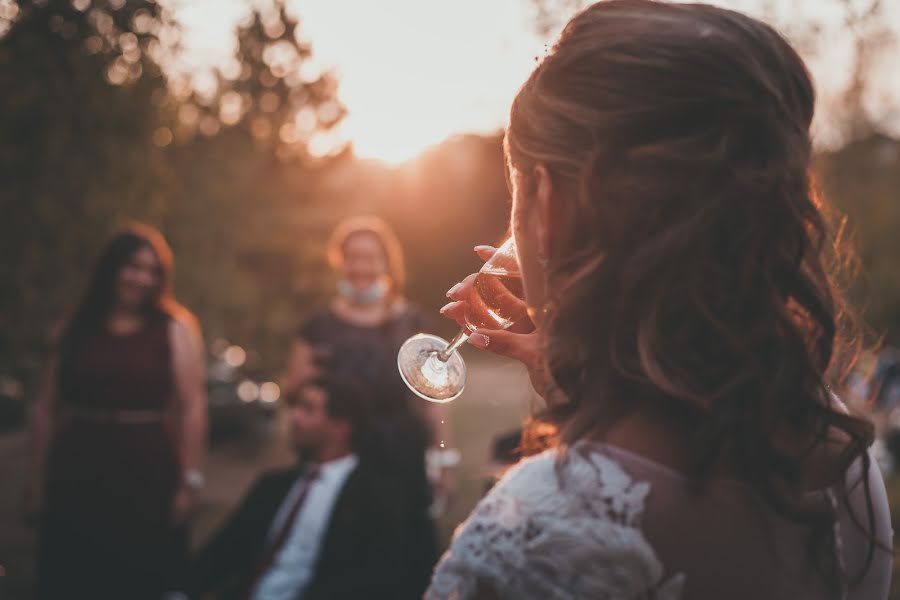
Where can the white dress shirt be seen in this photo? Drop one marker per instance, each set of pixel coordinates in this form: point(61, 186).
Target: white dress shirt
point(292, 569)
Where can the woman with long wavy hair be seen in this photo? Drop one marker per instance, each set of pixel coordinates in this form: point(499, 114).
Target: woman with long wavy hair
point(688, 330)
point(118, 432)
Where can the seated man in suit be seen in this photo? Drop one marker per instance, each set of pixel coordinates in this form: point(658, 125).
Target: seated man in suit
point(325, 530)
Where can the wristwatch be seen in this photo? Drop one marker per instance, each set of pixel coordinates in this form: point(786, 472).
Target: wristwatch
point(450, 457)
point(194, 479)
point(443, 458)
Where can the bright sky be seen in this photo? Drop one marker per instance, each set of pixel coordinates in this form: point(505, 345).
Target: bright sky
point(413, 72)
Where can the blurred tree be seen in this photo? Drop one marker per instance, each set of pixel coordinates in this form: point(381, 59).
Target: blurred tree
point(272, 87)
point(245, 213)
point(863, 181)
point(77, 119)
point(873, 39)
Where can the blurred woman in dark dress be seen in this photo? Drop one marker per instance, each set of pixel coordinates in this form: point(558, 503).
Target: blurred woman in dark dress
point(118, 432)
point(358, 336)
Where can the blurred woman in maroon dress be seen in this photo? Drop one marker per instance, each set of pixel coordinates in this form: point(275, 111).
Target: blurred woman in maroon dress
point(118, 432)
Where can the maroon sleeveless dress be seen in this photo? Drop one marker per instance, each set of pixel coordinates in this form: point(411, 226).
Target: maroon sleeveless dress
point(107, 530)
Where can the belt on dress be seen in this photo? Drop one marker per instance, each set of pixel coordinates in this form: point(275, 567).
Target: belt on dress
point(119, 416)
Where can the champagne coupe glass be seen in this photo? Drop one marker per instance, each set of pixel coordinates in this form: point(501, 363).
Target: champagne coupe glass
point(433, 367)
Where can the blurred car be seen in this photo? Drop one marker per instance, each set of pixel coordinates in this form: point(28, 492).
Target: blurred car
point(241, 407)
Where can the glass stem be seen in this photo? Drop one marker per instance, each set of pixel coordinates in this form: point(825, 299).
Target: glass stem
point(455, 343)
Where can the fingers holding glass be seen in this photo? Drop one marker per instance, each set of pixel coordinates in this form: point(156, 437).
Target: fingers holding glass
point(492, 299)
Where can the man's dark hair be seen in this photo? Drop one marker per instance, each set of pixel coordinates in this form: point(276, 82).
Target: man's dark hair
point(347, 400)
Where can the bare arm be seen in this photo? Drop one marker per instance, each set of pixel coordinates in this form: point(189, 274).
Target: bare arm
point(43, 422)
point(188, 365)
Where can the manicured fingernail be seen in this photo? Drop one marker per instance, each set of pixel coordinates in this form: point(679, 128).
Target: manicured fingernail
point(446, 307)
point(479, 340)
point(453, 290)
point(480, 248)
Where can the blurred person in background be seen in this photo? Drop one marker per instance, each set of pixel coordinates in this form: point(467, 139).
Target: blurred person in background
point(118, 432)
point(673, 254)
point(358, 336)
point(878, 393)
point(328, 528)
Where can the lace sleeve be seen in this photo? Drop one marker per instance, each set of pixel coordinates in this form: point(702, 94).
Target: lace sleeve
point(556, 530)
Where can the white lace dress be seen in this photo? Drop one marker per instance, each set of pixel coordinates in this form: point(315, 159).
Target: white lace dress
point(557, 527)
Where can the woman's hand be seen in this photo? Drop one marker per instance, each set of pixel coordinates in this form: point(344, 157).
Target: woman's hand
point(520, 342)
point(526, 348)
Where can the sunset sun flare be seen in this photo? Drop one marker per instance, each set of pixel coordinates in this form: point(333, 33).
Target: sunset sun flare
point(411, 73)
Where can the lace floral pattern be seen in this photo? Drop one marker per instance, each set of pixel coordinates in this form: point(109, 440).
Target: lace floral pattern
point(557, 527)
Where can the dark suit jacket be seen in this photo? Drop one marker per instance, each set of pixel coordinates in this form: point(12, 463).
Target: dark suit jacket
point(361, 553)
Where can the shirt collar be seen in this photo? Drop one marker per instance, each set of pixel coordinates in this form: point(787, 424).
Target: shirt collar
point(338, 466)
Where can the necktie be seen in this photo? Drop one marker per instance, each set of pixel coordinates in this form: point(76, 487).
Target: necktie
point(280, 537)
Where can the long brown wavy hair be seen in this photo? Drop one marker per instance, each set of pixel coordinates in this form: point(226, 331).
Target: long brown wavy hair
point(695, 274)
point(89, 317)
